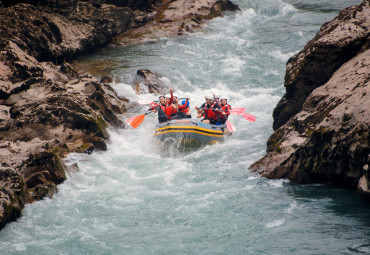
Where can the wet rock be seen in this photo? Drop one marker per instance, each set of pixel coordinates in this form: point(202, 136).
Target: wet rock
point(49, 110)
point(149, 82)
point(59, 30)
point(363, 186)
point(12, 195)
point(328, 140)
point(106, 79)
point(337, 42)
point(172, 18)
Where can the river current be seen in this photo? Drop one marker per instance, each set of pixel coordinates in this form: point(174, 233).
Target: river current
point(141, 198)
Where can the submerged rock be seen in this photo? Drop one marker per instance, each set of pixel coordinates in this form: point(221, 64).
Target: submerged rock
point(322, 123)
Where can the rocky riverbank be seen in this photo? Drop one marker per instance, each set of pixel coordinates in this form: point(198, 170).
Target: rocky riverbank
point(47, 109)
point(322, 122)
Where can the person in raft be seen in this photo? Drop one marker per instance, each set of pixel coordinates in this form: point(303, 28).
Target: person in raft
point(184, 109)
point(225, 111)
point(211, 111)
point(165, 108)
point(216, 99)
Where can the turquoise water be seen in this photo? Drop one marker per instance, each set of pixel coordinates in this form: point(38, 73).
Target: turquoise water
point(135, 199)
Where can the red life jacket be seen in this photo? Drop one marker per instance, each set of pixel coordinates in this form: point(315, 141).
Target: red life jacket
point(183, 108)
point(226, 111)
point(168, 110)
point(209, 113)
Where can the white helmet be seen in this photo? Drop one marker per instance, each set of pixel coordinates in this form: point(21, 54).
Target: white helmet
point(175, 95)
point(223, 98)
point(209, 97)
point(216, 96)
point(167, 96)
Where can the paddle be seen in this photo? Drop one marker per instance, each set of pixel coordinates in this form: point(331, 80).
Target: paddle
point(137, 120)
point(129, 120)
point(230, 126)
point(249, 117)
point(236, 110)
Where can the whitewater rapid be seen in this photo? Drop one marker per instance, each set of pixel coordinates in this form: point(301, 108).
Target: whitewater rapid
point(135, 199)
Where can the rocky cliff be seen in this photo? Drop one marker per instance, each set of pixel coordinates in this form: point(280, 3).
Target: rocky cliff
point(46, 109)
point(322, 122)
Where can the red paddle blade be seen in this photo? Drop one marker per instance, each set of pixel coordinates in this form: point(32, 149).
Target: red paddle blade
point(249, 117)
point(137, 121)
point(230, 126)
point(237, 110)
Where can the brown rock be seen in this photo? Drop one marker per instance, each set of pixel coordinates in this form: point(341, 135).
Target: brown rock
point(172, 18)
point(329, 139)
point(46, 110)
point(106, 79)
point(149, 82)
point(337, 42)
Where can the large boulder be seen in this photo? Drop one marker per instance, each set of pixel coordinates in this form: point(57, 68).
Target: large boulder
point(48, 110)
point(61, 30)
point(172, 18)
point(328, 140)
point(337, 42)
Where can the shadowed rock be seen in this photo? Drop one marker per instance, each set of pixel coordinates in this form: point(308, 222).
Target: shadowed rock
point(328, 140)
point(171, 18)
point(148, 82)
point(48, 110)
point(337, 42)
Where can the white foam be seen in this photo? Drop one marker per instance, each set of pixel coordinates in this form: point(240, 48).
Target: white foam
point(20, 247)
point(233, 65)
point(278, 183)
point(281, 56)
point(287, 9)
point(275, 223)
point(292, 207)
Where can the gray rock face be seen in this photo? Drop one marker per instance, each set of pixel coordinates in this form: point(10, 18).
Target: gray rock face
point(337, 42)
point(149, 82)
point(48, 110)
point(172, 18)
point(328, 140)
point(60, 30)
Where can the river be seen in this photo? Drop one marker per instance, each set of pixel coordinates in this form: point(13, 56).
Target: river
point(136, 199)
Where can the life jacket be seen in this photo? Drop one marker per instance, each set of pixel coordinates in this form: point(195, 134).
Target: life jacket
point(226, 111)
point(209, 112)
point(168, 110)
point(183, 108)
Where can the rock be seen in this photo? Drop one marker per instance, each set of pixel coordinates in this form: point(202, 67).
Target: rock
point(11, 195)
point(173, 17)
point(59, 30)
point(363, 186)
point(149, 82)
point(328, 140)
point(106, 79)
point(337, 42)
point(48, 110)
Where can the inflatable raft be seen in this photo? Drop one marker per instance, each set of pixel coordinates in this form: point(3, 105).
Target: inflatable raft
point(190, 130)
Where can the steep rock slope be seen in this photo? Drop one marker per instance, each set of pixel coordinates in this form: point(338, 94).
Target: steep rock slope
point(322, 123)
